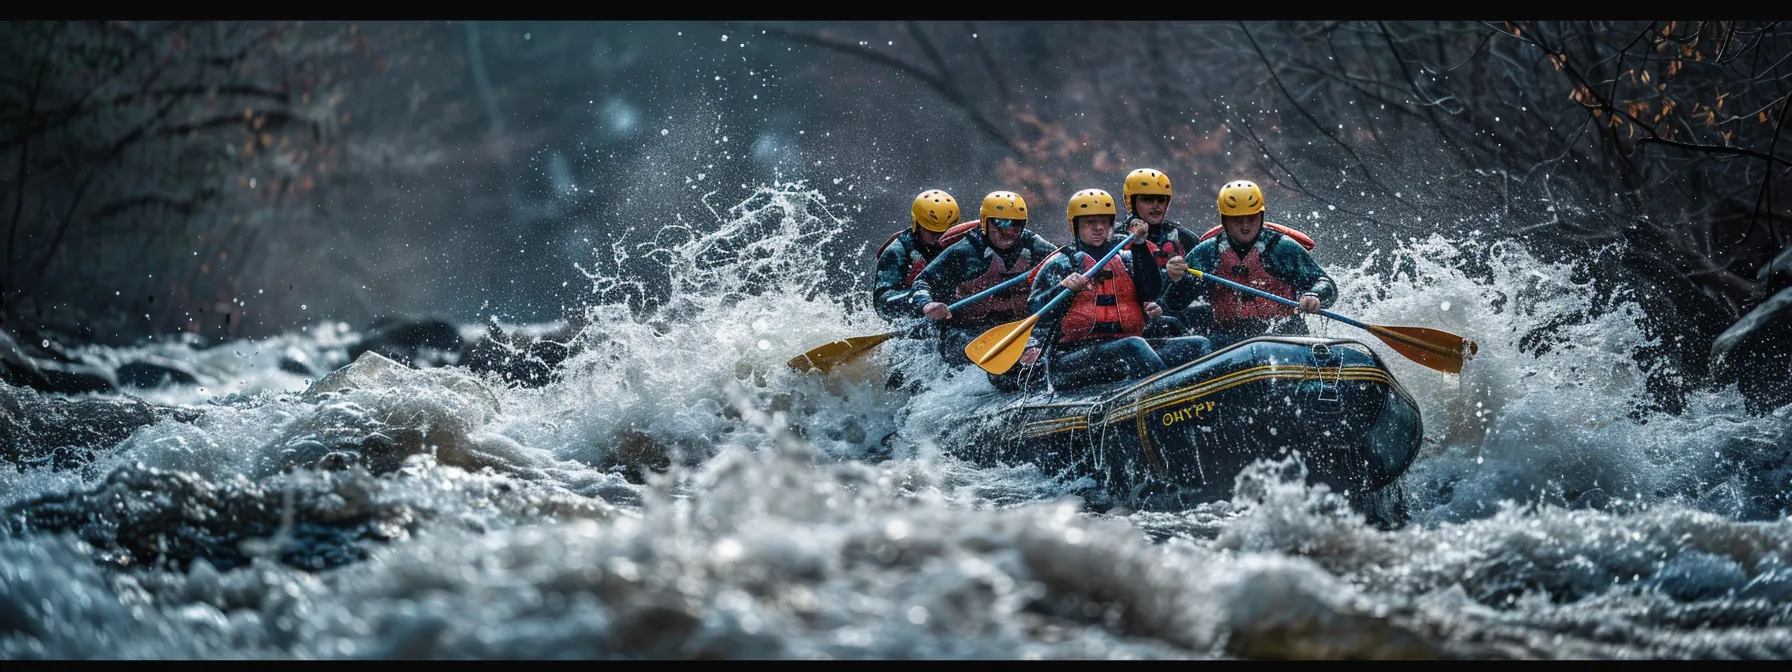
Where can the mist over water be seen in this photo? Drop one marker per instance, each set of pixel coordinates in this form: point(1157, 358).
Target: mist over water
point(796, 516)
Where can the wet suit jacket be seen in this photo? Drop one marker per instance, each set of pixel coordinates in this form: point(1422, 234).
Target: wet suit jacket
point(969, 259)
point(1281, 257)
point(1170, 238)
point(1173, 240)
point(897, 267)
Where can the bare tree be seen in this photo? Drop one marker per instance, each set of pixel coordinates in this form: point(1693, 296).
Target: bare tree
point(1661, 138)
point(145, 160)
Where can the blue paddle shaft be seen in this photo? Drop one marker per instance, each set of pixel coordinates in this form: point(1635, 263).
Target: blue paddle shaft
point(1272, 297)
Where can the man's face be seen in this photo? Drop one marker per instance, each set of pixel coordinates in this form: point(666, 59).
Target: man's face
point(1242, 228)
point(1151, 207)
point(1004, 237)
point(1094, 230)
point(926, 237)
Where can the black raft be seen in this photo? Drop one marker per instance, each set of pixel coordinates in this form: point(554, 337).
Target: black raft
point(1181, 437)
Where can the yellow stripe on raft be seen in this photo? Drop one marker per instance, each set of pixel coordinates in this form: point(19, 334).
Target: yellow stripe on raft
point(1193, 392)
point(1182, 395)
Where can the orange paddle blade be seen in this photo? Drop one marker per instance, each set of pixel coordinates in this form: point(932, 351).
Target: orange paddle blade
point(1439, 350)
point(998, 349)
point(826, 357)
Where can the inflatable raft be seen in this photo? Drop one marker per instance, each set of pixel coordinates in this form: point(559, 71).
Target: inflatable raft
point(1182, 436)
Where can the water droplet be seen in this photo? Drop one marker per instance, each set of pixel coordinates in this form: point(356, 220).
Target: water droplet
point(665, 131)
point(765, 344)
point(1444, 306)
point(46, 342)
point(917, 615)
point(303, 306)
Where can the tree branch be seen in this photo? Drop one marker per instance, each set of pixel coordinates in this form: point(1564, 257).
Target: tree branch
point(1767, 183)
point(1715, 149)
point(1308, 115)
point(989, 65)
point(940, 86)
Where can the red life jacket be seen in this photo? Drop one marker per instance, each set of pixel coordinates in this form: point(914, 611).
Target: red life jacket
point(1298, 237)
point(917, 262)
point(1230, 305)
point(1005, 306)
point(1108, 309)
point(957, 232)
point(1170, 248)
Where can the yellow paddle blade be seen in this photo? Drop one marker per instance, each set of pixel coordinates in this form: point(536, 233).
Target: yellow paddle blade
point(1435, 349)
point(826, 357)
point(998, 349)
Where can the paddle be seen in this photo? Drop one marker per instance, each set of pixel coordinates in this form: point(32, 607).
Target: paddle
point(998, 349)
point(1439, 350)
point(833, 354)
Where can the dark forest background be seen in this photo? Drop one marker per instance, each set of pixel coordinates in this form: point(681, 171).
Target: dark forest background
point(239, 179)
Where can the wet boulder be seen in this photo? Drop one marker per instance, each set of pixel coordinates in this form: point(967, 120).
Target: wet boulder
point(62, 433)
point(530, 361)
point(49, 369)
point(377, 412)
point(295, 367)
point(416, 342)
point(372, 371)
point(1756, 352)
point(148, 516)
point(152, 372)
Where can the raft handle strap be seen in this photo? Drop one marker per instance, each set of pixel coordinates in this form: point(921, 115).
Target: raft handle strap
point(1324, 358)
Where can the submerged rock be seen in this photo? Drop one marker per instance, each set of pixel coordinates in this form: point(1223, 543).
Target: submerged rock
point(49, 369)
point(530, 361)
point(145, 515)
point(39, 429)
point(151, 372)
point(382, 412)
point(312, 519)
point(373, 371)
point(423, 342)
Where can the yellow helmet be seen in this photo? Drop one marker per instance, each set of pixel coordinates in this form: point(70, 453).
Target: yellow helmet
point(1241, 198)
point(1090, 202)
point(1145, 181)
point(1001, 205)
point(935, 210)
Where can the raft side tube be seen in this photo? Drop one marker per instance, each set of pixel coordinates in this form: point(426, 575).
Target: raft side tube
point(1193, 428)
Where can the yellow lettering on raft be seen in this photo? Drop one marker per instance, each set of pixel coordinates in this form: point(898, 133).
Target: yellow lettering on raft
point(1192, 411)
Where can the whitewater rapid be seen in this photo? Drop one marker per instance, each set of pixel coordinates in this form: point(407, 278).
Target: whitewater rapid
point(788, 515)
